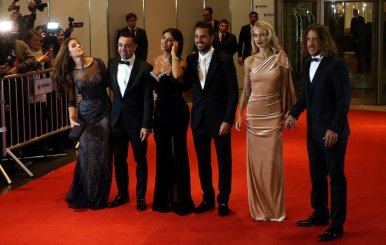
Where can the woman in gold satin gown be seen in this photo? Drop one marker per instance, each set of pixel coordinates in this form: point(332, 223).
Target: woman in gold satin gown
point(268, 95)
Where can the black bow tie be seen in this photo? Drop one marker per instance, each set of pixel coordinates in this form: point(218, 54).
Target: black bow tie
point(316, 59)
point(124, 62)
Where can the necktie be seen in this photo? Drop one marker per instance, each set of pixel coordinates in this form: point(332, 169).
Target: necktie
point(132, 32)
point(222, 36)
point(124, 62)
point(315, 59)
point(202, 71)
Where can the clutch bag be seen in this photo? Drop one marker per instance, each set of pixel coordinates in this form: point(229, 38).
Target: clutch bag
point(77, 130)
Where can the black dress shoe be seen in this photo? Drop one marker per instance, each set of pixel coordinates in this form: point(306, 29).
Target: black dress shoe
point(141, 204)
point(223, 209)
point(118, 201)
point(331, 234)
point(313, 220)
point(203, 207)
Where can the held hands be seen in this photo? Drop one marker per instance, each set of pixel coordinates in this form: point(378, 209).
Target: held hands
point(225, 128)
point(290, 122)
point(330, 138)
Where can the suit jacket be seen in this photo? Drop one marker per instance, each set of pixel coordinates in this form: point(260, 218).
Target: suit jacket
point(141, 37)
point(327, 99)
point(216, 23)
point(217, 102)
point(133, 110)
point(227, 45)
point(25, 59)
point(245, 46)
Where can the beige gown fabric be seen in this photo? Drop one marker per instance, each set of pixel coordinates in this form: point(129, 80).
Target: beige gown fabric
point(270, 94)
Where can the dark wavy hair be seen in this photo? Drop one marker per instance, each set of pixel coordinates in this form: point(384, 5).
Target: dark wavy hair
point(327, 44)
point(177, 36)
point(64, 66)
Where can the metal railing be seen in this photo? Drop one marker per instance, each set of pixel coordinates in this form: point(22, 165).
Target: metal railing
point(30, 111)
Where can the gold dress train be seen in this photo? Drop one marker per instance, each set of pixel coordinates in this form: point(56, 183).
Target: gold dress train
point(270, 94)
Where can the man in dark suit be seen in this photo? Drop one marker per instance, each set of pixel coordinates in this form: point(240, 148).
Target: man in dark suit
point(225, 41)
point(138, 33)
point(326, 95)
point(212, 75)
point(245, 46)
point(207, 13)
point(131, 116)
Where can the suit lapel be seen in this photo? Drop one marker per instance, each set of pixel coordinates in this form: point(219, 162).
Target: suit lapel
point(114, 73)
point(213, 66)
point(132, 79)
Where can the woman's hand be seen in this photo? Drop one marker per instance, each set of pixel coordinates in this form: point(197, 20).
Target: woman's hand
point(174, 49)
point(238, 124)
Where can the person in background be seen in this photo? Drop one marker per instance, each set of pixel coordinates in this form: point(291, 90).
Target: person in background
point(207, 13)
point(77, 73)
point(268, 94)
point(212, 76)
point(171, 120)
point(131, 117)
point(245, 46)
point(224, 40)
point(138, 33)
point(357, 29)
point(33, 39)
point(326, 96)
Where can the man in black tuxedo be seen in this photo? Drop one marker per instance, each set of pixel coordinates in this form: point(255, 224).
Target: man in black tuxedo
point(212, 75)
point(326, 96)
point(207, 13)
point(223, 40)
point(245, 37)
point(138, 33)
point(131, 116)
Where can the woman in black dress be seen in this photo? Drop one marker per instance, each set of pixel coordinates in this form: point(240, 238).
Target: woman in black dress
point(76, 74)
point(171, 119)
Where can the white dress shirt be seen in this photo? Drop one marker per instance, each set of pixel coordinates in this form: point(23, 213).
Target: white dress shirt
point(208, 58)
point(123, 74)
point(314, 66)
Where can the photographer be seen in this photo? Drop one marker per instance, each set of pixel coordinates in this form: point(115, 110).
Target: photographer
point(16, 57)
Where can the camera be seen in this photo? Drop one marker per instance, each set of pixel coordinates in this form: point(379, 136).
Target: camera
point(37, 5)
point(72, 24)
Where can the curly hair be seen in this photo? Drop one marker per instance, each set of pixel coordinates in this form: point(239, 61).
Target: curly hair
point(327, 44)
point(273, 41)
point(64, 65)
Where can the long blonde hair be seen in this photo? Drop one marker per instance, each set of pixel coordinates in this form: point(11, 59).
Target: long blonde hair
point(273, 42)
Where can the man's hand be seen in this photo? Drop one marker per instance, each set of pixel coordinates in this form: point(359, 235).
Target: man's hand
point(330, 138)
point(290, 122)
point(144, 134)
point(224, 128)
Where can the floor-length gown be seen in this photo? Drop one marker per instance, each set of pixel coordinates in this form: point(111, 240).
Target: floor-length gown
point(93, 172)
point(171, 120)
point(271, 94)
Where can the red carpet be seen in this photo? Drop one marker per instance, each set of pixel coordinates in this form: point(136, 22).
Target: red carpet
point(37, 214)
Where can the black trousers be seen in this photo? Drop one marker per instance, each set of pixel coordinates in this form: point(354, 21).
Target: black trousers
point(121, 140)
point(328, 162)
point(202, 143)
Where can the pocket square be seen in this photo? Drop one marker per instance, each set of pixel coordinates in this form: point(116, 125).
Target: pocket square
point(77, 130)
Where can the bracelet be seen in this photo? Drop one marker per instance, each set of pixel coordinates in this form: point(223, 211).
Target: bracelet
point(175, 58)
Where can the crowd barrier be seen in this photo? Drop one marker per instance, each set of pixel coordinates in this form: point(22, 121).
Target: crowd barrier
point(31, 110)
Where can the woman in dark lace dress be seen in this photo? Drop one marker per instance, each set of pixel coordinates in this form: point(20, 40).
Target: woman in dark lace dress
point(76, 73)
point(171, 119)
